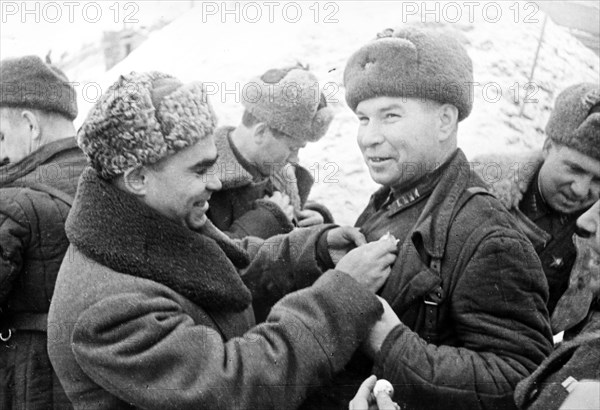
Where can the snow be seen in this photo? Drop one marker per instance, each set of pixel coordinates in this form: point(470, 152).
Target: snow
point(214, 48)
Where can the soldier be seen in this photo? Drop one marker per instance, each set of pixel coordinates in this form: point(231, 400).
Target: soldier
point(467, 286)
point(42, 164)
point(265, 191)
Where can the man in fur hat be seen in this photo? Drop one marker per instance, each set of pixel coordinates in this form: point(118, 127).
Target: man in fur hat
point(149, 310)
point(467, 286)
point(265, 191)
point(41, 164)
point(569, 378)
point(547, 191)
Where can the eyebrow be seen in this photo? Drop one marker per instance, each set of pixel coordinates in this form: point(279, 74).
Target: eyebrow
point(207, 163)
point(574, 165)
point(577, 167)
point(392, 106)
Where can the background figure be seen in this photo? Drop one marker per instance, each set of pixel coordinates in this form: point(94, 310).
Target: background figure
point(265, 192)
point(38, 178)
point(547, 191)
point(570, 377)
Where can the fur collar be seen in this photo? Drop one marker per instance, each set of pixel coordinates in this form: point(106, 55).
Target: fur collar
point(231, 172)
point(508, 176)
point(293, 180)
point(118, 231)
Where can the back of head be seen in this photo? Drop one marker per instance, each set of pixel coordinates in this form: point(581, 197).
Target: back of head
point(575, 119)
point(413, 63)
point(28, 82)
point(289, 100)
point(143, 118)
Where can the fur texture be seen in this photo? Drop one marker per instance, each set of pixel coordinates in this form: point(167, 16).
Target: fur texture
point(126, 129)
point(415, 63)
point(571, 122)
point(289, 100)
point(508, 177)
point(116, 230)
point(28, 82)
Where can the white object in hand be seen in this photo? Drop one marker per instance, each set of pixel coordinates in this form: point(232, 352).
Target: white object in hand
point(389, 237)
point(383, 386)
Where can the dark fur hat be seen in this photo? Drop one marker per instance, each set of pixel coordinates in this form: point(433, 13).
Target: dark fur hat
point(414, 63)
point(28, 82)
point(575, 120)
point(142, 118)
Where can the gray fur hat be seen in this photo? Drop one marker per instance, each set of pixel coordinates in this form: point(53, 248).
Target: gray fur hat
point(290, 101)
point(414, 63)
point(28, 82)
point(573, 123)
point(142, 118)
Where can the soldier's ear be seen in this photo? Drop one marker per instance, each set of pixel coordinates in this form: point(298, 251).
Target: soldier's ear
point(135, 180)
point(32, 122)
point(548, 144)
point(259, 133)
point(448, 120)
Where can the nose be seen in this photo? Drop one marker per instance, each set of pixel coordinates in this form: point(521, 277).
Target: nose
point(589, 221)
point(581, 186)
point(213, 183)
point(370, 134)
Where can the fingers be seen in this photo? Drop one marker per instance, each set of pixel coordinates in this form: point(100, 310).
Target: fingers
point(361, 399)
point(382, 248)
point(280, 199)
point(353, 235)
point(366, 386)
point(313, 220)
point(308, 217)
point(385, 402)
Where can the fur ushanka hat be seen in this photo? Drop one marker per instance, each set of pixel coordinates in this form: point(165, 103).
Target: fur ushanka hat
point(575, 120)
point(289, 100)
point(28, 82)
point(414, 63)
point(142, 118)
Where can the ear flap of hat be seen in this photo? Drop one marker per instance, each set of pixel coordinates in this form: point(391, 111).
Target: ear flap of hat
point(574, 121)
point(586, 137)
point(320, 124)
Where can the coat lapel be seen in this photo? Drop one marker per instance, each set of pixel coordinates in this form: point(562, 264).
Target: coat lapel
point(231, 173)
point(411, 276)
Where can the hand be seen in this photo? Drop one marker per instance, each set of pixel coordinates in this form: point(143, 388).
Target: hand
point(370, 264)
point(309, 217)
point(283, 202)
point(389, 320)
point(364, 399)
point(209, 229)
point(340, 240)
point(585, 395)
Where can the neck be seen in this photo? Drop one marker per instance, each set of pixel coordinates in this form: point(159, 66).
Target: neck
point(539, 188)
point(243, 145)
point(240, 137)
point(56, 130)
point(423, 172)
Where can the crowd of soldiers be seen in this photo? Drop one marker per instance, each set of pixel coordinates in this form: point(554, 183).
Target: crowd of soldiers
point(154, 259)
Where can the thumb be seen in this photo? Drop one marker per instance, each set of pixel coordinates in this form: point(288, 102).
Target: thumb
point(354, 235)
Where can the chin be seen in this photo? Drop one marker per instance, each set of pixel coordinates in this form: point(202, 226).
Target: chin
point(196, 222)
point(381, 178)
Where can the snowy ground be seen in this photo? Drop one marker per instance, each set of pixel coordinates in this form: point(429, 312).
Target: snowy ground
point(209, 45)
